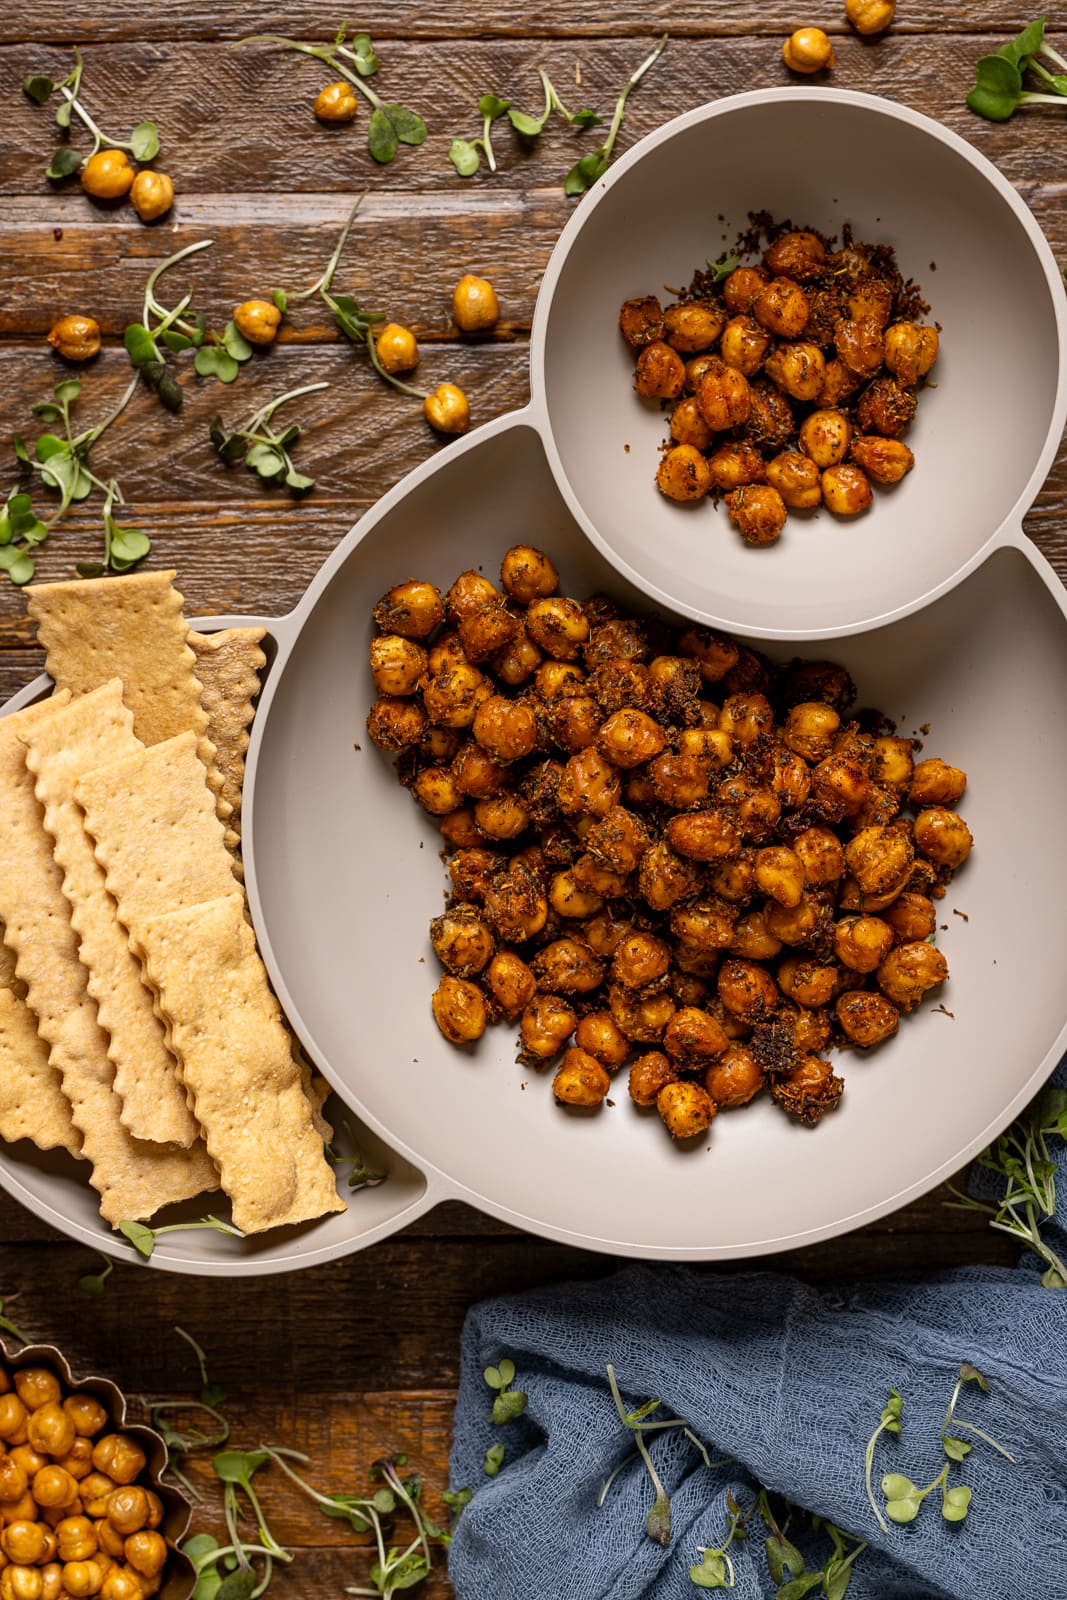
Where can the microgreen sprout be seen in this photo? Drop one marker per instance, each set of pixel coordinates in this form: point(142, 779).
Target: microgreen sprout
point(658, 1520)
point(888, 1422)
point(715, 1570)
point(218, 355)
point(7, 1326)
point(719, 271)
point(955, 1448)
point(92, 1283)
point(391, 125)
point(143, 1238)
point(180, 1443)
point(463, 153)
point(61, 461)
point(360, 1175)
point(494, 1460)
point(589, 168)
point(530, 126)
point(143, 143)
point(261, 449)
point(787, 1565)
point(1021, 1158)
point(508, 1403)
point(998, 88)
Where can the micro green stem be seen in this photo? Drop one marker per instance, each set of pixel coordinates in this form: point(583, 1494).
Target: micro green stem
point(392, 1477)
point(86, 440)
point(262, 417)
point(319, 53)
point(261, 1522)
point(957, 1422)
point(1053, 55)
point(551, 98)
point(164, 266)
point(487, 143)
point(230, 1511)
point(610, 1479)
point(202, 1441)
point(620, 104)
point(868, 1469)
point(321, 286)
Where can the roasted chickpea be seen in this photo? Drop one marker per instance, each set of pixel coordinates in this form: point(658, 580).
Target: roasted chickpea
point(619, 839)
point(935, 783)
point(885, 408)
point(693, 325)
point(713, 653)
point(838, 384)
point(911, 916)
point(706, 924)
point(641, 321)
point(25, 1543)
point(780, 874)
point(723, 396)
point(589, 784)
point(107, 175)
point(50, 1429)
point(95, 1489)
point(642, 1018)
point(664, 878)
point(447, 409)
point(866, 1018)
point(569, 897)
point(734, 465)
point(488, 629)
point(660, 372)
point(696, 367)
point(810, 727)
point(686, 1109)
point(846, 490)
point(694, 1037)
point(687, 428)
point(684, 474)
point(30, 1460)
point(808, 981)
point(475, 307)
point(547, 1023)
point(397, 348)
point(825, 436)
point(735, 1078)
point(527, 574)
point(799, 369)
point(910, 351)
point(862, 943)
point(580, 1080)
point(797, 480)
point(757, 512)
point(860, 344)
point(462, 942)
point(36, 1387)
point(648, 1075)
point(870, 16)
point(808, 50)
point(54, 1486)
point(752, 939)
point(747, 990)
point(510, 982)
point(13, 1416)
point(883, 460)
point(75, 338)
point(459, 829)
point(942, 837)
point(809, 1090)
point(782, 306)
point(514, 664)
point(758, 807)
point(771, 426)
point(122, 1583)
point(83, 1577)
point(629, 738)
point(75, 1539)
point(397, 664)
point(800, 924)
point(878, 858)
point(119, 1456)
point(641, 959)
point(797, 255)
point(22, 1583)
point(742, 286)
point(744, 344)
point(567, 966)
point(710, 835)
point(414, 609)
point(127, 1508)
point(336, 103)
point(459, 1010)
point(146, 1553)
point(558, 626)
point(501, 816)
point(840, 786)
point(52, 1581)
point(909, 971)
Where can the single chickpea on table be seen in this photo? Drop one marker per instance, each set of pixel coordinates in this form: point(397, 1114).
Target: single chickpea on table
point(667, 854)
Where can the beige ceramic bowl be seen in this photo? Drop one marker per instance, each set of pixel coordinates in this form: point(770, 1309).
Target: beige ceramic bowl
point(344, 871)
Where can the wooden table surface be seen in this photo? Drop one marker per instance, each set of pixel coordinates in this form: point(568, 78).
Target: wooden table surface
point(360, 1357)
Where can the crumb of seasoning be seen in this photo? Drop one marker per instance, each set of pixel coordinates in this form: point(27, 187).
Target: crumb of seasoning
point(933, 266)
point(609, 1102)
point(626, 447)
point(924, 727)
point(946, 1012)
point(522, 1085)
point(962, 914)
point(357, 747)
point(57, 234)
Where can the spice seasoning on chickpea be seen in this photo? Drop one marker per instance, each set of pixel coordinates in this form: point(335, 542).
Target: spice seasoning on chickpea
point(662, 844)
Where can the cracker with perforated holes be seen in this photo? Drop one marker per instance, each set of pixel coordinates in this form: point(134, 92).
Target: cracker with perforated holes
point(228, 665)
point(32, 1103)
point(239, 1065)
point(133, 1178)
point(8, 979)
point(94, 729)
point(131, 628)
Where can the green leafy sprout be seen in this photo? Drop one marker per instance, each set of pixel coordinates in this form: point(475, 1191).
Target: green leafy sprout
point(591, 167)
point(888, 1422)
point(61, 461)
point(715, 1570)
point(494, 1460)
point(998, 88)
point(143, 1238)
point(360, 1175)
point(787, 1566)
point(93, 1283)
point(508, 1403)
point(7, 1326)
point(162, 331)
point(143, 143)
point(1022, 1159)
point(391, 125)
point(263, 451)
point(182, 1442)
point(463, 153)
point(658, 1520)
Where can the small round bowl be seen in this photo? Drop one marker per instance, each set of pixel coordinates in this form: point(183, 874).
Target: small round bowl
point(986, 430)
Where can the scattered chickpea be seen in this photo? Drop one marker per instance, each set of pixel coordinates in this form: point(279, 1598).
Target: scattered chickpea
point(475, 307)
point(808, 50)
point(107, 175)
point(151, 194)
point(447, 409)
point(397, 348)
point(336, 103)
point(75, 338)
point(870, 16)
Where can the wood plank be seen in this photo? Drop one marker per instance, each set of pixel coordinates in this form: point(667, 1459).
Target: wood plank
point(305, 19)
point(275, 144)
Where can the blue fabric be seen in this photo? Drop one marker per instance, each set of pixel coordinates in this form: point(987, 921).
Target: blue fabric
point(788, 1381)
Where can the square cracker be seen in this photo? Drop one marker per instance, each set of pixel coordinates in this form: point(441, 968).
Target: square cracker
point(239, 1065)
point(95, 728)
point(130, 628)
point(134, 1179)
point(228, 665)
point(32, 1103)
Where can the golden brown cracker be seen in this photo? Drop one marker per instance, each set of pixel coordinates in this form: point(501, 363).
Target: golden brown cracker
point(32, 1103)
point(133, 1179)
point(8, 979)
point(96, 728)
point(239, 1065)
point(131, 628)
point(228, 665)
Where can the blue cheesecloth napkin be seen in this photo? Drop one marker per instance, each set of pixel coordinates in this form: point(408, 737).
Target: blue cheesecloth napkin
point(788, 1380)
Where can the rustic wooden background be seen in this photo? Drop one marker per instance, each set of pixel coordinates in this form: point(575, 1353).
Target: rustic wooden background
point(360, 1357)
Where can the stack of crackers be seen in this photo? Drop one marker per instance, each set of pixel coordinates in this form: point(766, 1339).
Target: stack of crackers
point(137, 1027)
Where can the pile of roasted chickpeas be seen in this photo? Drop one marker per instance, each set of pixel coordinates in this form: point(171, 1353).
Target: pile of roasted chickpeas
point(790, 383)
point(75, 1516)
point(664, 850)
